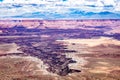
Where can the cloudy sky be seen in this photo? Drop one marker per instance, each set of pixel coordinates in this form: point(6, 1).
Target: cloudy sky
point(60, 9)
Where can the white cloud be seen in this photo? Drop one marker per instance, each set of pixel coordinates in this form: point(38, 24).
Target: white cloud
point(117, 7)
point(57, 6)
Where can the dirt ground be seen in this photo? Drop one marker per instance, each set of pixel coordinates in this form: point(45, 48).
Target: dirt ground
point(98, 59)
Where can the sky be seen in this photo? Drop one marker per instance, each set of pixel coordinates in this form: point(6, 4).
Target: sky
point(60, 9)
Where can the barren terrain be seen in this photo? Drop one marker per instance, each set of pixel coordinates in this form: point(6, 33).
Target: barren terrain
point(112, 25)
point(59, 50)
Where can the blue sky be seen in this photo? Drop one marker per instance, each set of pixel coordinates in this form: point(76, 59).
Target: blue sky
point(60, 9)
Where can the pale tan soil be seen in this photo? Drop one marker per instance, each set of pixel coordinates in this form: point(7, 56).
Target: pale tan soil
point(9, 48)
point(18, 66)
point(92, 68)
point(93, 42)
point(100, 67)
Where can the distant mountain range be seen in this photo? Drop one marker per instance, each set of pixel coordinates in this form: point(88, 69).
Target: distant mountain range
point(72, 15)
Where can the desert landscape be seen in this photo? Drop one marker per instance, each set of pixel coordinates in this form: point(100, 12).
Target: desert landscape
point(60, 49)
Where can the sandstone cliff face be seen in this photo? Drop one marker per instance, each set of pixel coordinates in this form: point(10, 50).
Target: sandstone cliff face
point(59, 23)
point(113, 25)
